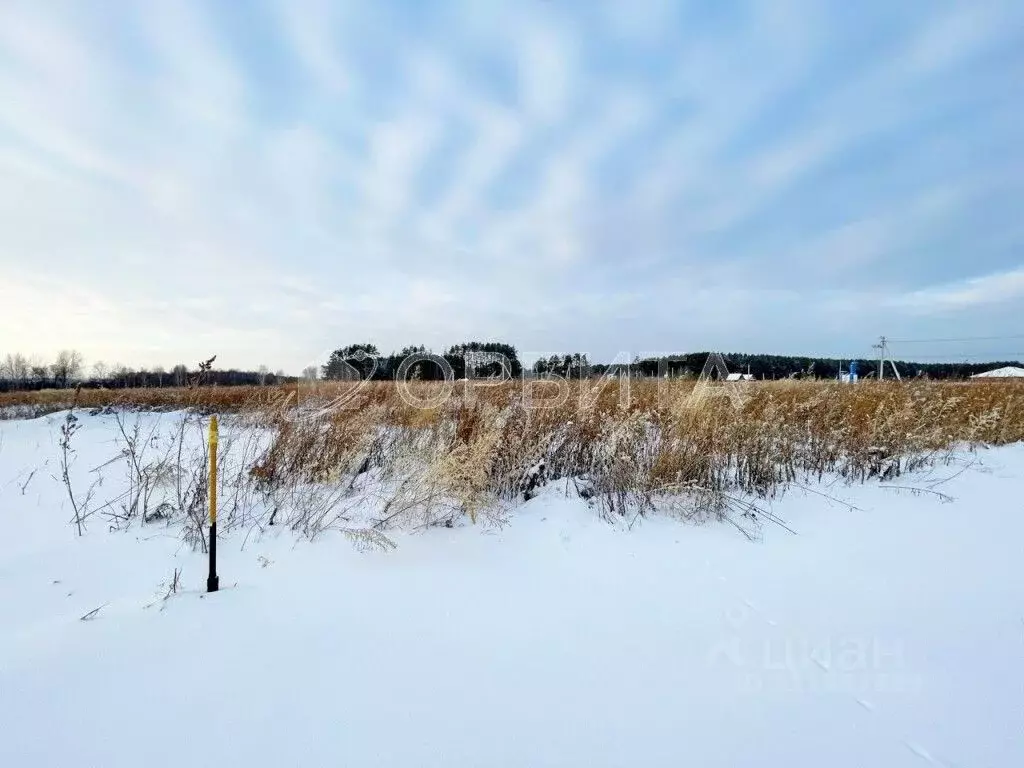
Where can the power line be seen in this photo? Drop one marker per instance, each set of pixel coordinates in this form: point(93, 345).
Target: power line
point(954, 357)
point(883, 354)
point(965, 338)
point(873, 356)
point(962, 358)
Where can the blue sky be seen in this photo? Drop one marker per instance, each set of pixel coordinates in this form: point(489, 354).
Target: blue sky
point(271, 179)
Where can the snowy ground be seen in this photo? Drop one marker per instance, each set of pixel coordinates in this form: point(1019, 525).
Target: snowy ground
point(887, 635)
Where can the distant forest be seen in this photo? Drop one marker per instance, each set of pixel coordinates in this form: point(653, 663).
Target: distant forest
point(470, 359)
point(21, 373)
point(784, 367)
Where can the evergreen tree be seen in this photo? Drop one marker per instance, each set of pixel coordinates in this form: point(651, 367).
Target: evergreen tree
point(357, 358)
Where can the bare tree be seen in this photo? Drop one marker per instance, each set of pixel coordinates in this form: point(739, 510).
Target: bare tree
point(15, 368)
point(262, 372)
point(159, 372)
point(20, 365)
point(121, 373)
point(310, 372)
point(67, 367)
point(100, 369)
point(179, 375)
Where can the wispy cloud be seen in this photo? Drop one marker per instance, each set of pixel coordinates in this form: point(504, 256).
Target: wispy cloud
point(982, 291)
point(312, 33)
point(599, 176)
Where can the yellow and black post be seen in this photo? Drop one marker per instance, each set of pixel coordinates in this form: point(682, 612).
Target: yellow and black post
point(212, 582)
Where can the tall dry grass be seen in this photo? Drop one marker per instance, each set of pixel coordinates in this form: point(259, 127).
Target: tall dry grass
point(701, 453)
point(24, 404)
point(388, 458)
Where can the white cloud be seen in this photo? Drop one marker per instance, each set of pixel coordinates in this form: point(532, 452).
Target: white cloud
point(552, 229)
point(546, 63)
point(782, 43)
point(49, 89)
point(312, 29)
point(643, 24)
point(861, 243)
point(499, 135)
point(397, 150)
point(186, 201)
point(985, 290)
point(957, 34)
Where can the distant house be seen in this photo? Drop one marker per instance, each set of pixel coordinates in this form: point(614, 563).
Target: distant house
point(1007, 372)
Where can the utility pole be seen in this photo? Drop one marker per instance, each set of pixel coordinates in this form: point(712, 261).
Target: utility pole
point(883, 355)
point(881, 347)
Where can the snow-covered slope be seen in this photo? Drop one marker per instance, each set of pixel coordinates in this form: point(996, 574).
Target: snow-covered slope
point(890, 634)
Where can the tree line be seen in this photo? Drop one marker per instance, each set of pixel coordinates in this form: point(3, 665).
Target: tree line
point(762, 366)
point(365, 360)
point(473, 359)
point(68, 368)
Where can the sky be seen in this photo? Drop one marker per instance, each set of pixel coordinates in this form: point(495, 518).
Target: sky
point(269, 180)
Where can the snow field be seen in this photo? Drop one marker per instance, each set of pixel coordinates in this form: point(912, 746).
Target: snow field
point(889, 631)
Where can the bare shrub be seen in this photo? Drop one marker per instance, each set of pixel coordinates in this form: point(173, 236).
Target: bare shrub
point(380, 462)
point(80, 505)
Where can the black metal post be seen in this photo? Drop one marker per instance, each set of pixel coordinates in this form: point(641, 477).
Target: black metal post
point(213, 581)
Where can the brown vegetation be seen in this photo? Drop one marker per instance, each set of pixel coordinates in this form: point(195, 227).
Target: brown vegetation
point(701, 450)
point(663, 442)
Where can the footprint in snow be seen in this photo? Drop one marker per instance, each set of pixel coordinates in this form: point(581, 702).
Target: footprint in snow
point(866, 704)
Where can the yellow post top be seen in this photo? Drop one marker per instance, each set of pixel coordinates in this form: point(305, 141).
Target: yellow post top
point(213, 429)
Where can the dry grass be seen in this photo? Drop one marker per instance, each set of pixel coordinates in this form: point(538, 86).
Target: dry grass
point(661, 444)
point(221, 399)
point(627, 453)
